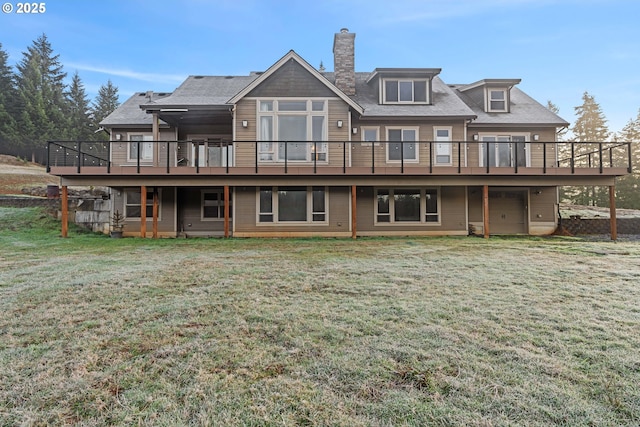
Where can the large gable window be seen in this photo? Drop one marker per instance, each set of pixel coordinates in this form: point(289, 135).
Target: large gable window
point(292, 130)
point(405, 91)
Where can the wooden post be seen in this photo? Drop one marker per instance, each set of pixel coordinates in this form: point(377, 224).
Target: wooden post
point(354, 216)
point(155, 212)
point(485, 210)
point(65, 211)
point(612, 212)
point(226, 211)
point(143, 211)
point(155, 130)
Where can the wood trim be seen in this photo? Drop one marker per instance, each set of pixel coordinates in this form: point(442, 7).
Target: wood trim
point(612, 212)
point(155, 212)
point(143, 211)
point(65, 211)
point(226, 211)
point(354, 215)
point(485, 210)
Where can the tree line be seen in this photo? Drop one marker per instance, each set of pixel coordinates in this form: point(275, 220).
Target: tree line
point(591, 126)
point(36, 105)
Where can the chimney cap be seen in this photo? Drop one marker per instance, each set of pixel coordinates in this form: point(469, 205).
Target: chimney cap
point(344, 30)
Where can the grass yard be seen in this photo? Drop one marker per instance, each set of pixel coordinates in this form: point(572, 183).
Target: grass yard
point(373, 332)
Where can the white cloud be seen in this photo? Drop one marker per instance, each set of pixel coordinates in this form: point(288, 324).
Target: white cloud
point(135, 75)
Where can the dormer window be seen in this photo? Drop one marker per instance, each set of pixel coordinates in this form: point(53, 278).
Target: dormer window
point(405, 91)
point(497, 100)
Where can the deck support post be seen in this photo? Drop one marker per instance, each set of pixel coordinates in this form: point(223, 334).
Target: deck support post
point(155, 212)
point(226, 211)
point(354, 211)
point(65, 211)
point(143, 211)
point(485, 210)
point(612, 212)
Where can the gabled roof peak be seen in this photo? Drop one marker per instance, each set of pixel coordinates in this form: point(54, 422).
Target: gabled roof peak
point(490, 83)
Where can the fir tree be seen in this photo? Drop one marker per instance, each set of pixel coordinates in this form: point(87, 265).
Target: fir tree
point(80, 122)
point(41, 92)
point(628, 186)
point(8, 107)
point(555, 110)
point(590, 127)
point(104, 104)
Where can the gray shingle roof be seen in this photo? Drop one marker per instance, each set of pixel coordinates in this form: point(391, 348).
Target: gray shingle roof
point(203, 91)
point(524, 111)
point(445, 102)
point(129, 112)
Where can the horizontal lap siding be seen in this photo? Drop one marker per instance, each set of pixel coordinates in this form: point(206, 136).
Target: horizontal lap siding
point(246, 153)
point(190, 207)
point(246, 205)
point(362, 156)
point(452, 213)
point(166, 220)
point(119, 149)
point(543, 204)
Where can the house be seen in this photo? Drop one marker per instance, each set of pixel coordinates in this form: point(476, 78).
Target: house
point(297, 151)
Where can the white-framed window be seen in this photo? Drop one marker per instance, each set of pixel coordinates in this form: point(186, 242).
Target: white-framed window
point(402, 145)
point(212, 202)
point(293, 204)
point(504, 150)
point(145, 142)
point(443, 152)
point(403, 205)
point(133, 203)
point(369, 135)
point(401, 91)
point(497, 100)
point(302, 122)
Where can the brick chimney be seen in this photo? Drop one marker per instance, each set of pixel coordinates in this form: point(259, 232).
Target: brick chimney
point(344, 61)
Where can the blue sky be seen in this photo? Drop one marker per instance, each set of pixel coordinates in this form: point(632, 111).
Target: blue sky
point(559, 48)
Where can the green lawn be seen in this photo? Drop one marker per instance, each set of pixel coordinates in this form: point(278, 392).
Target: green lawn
point(372, 332)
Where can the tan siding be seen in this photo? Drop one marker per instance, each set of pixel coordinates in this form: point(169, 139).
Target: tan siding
point(166, 221)
point(543, 204)
point(191, 213)
point(245, 153)
point(452, 214)
point(339, 215)
point(362, 156)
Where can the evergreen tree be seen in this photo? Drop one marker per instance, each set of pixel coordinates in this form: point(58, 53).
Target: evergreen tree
point(80, 122)
point(104, 104)
point(628, 187)
point(8, 107)
point(590, 128)
point(41, 91)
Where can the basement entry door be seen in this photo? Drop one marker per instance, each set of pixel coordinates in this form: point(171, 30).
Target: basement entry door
point(507, 212)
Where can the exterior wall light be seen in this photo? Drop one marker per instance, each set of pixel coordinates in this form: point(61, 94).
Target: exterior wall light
point(340, 123)
point(536, 137)
point(475, 137)
point(245, 123)
point(354, 131)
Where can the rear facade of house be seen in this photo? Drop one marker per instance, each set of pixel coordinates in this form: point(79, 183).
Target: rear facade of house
point(297, 151)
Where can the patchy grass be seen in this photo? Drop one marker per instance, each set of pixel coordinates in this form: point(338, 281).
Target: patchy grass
point(439, 331)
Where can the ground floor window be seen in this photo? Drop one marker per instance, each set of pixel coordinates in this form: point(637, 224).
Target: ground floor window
point(418, 205)
point(133, 203)
point(292, 204)
point(212, 203)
